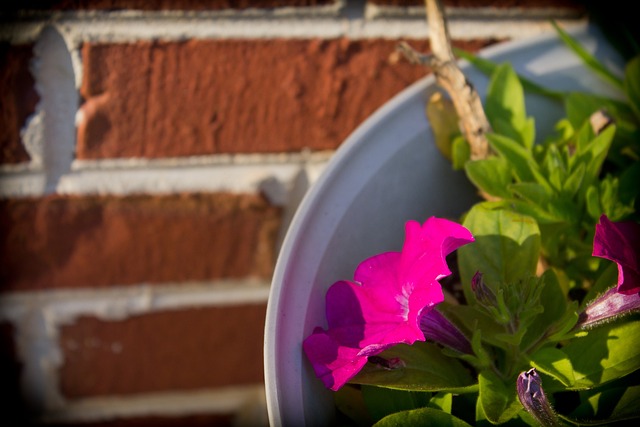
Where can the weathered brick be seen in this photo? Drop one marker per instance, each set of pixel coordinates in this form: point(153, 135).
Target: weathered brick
point(18, 99)
point(93, 241)
point(157, 99)
point(502, 4)
point(200, 420)
point(172, 350)
point(166, 4)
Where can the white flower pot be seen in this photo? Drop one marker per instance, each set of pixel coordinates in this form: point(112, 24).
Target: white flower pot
point(387, 172)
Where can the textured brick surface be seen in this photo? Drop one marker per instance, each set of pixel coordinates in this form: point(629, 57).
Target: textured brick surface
point(173, 350)
point(487, 3)
point(213, 420)
point(165, 4)
point(18, 100)
point(58, 242)
point(156, 99)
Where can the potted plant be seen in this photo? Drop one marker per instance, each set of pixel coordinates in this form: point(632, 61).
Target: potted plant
point(389, 172)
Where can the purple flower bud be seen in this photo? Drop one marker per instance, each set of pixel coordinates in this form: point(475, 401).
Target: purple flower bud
point(534, 400)
point(607, 307)
point(483, 293)
point(439, 329)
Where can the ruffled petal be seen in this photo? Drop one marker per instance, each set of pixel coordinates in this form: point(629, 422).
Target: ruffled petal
point(333, 363)
point(620, 242)
point(383, 305)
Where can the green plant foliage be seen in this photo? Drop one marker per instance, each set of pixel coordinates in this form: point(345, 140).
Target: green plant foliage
point(421, 417)
point(588, 59)
point(533, 245)
point(604, 354)
point(506, 247)
point(498, 401)
point(505, 108)
point(608, 405)
point(381, 402)
point(425, 368)
point(632, 84)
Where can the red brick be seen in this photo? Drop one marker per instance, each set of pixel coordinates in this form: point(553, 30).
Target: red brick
point(201, 420)
point(173, 350)
point(502, 4)
point(167, 4)
point(67, 241)
point(157, 99)
point(18, 99)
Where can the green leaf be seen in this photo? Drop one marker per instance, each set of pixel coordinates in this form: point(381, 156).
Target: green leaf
point(565, 209)
point(533, 192)
point(349, 402)
point(629, 189)
point(580, 106)
point(425, 369)
point(632, 84)
point(592, 198)
point(506, 249)
point(443, 120)
point(505, 107)
point(605, 354)
point(555, 363)
point(421, 417)
point(555, 308)
point(488, 67)
point(381, 402)
point(491, 175)
point(594, 154)
point(475, 319)
point(627, 406)
point(541, 215)
point(499, 402)
point(520, 158)
point(572, 184)
point(610, 201)
point(609, 406)
point(460, 152)
point(442, 401)
point(588, 59)
point(555, 168)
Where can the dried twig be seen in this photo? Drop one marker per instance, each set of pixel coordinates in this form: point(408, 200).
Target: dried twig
point(468, 105)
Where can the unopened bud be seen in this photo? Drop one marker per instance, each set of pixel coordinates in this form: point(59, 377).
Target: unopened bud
point(534, 400)
point(607, 307)
point(439, 329)
point(483, 293)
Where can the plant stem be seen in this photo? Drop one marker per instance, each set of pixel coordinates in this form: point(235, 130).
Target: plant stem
point(473, 119)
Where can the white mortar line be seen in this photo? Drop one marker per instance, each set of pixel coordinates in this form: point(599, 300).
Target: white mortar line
point(373, 11)
point(22, 183)
point(37, 316)
point(222, 401)
point(238, 173)
point(55, 83)
point(118, 302)
point(135, 26)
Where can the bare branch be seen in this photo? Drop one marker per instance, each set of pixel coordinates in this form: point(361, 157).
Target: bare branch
point(473, 121)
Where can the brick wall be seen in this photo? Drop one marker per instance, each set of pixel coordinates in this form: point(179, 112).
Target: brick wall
point(147, 162)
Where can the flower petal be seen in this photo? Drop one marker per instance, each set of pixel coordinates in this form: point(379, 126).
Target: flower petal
point(383, 305)
point(333, 363)
point(426, 248)
point(620, 242)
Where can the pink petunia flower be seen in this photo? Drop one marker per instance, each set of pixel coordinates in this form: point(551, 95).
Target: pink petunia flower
point(620, 242)
point(383, 305)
